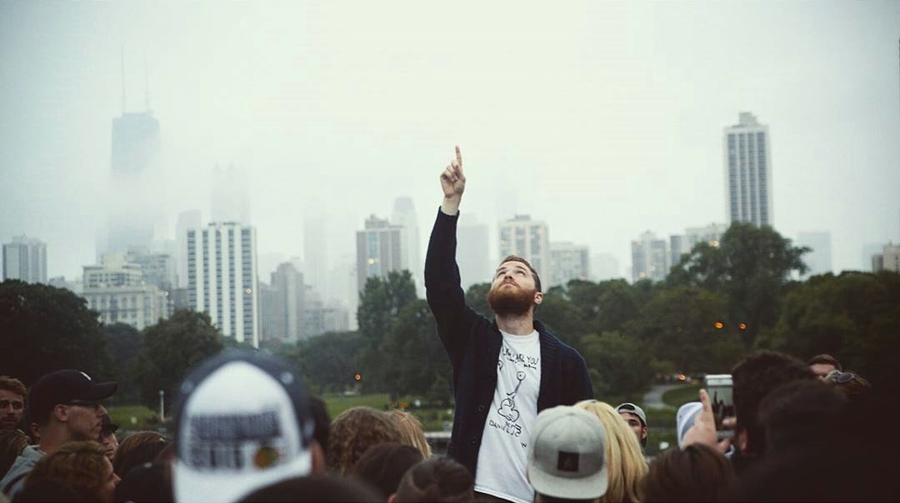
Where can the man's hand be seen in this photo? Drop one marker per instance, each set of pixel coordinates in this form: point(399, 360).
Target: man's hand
point(453, 183)
point(704, 429)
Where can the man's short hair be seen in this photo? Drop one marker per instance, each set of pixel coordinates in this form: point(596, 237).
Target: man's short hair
point(12, 384)
point(534, 274)
point(754, 377)
point(826, 359)
point(438, 478)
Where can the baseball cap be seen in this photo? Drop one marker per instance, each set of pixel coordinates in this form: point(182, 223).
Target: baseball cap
point(634, 409)
point(685, 418)
point(566, 454)
point(242, 422)
point(64, 387)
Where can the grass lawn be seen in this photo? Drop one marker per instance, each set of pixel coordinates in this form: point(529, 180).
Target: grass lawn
point(142, 417)
point(682, 395)
point(339, 403)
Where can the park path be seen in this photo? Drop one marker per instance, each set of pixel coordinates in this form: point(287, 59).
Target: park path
point(653, 398)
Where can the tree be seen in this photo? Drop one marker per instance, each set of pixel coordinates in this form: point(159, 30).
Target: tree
point(417, 358)
point(379, 306)
point(476, 298)
point(170, 348)
point(43, 328)
point(685, 326)
point(855, 317)
point(751, 267)
point(618, 365)
point(328, 362)
point(124, 343)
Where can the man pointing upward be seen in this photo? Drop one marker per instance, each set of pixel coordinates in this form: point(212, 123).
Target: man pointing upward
point(505, 371)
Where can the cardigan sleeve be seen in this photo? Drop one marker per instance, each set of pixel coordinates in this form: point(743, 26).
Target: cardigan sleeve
point(443, 289)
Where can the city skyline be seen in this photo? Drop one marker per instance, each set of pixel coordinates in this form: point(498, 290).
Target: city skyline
point(602, 119)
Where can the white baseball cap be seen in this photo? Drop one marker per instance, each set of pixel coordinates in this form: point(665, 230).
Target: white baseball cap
point(243, 422)
point(566, 454)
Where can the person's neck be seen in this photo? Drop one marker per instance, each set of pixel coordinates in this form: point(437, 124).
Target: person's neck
point(52, 438)
point(516, 325)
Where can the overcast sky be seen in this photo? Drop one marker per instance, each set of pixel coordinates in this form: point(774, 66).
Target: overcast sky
point(603, 119)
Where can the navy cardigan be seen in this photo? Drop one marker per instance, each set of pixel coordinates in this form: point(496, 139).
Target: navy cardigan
point(473, 344)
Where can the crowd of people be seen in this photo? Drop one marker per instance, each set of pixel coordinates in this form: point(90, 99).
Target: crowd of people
point(527, 426)
point(247, 430)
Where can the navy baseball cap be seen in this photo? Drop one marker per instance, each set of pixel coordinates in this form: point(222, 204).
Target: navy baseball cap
point(64, 387)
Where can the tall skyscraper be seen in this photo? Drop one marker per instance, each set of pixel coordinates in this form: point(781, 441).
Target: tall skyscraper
point(26, 260)
point(379, 250)
point(404, 215)
point(134, 211)
point(748, 171)
point(570, 261)
point(649, 258)
point(529, 239)
point(473, 251)
point(223, 280)
point(819, 259)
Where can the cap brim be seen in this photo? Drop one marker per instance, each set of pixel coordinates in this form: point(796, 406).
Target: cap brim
point(592, 486)
point(101, 391)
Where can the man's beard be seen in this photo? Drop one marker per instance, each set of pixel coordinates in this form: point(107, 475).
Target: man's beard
point(510, 301)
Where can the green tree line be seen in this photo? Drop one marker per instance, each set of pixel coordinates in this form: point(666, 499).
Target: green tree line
point(716, 305)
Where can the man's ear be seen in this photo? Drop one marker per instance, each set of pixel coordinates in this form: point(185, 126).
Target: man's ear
point(538, 297)
point(61, 413)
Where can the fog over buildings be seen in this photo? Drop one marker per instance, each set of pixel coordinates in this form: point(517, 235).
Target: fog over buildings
point(603, 120)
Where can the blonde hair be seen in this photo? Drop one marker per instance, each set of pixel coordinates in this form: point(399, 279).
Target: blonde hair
point(625, 463)
point(411, 431)
point(353, 432)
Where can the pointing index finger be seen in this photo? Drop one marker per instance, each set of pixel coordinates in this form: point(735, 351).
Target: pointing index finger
point(458, 156)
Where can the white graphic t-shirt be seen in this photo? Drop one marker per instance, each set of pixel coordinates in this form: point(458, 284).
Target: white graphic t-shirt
point(502, 459)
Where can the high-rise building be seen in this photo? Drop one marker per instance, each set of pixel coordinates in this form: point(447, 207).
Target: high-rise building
point(748, 171)
point(117, 291)
point(680, 244)
point(529, 239)
point(222, 278)
point(191, 219)
point(649, 258)
point(157, 269)
point(282, 304)
point(818, 260)
point(379, 250)
point(25, 260)
point(888, 259)
point(134, 211)
point(569, 261)
point(404, 215)
point(473, 251)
